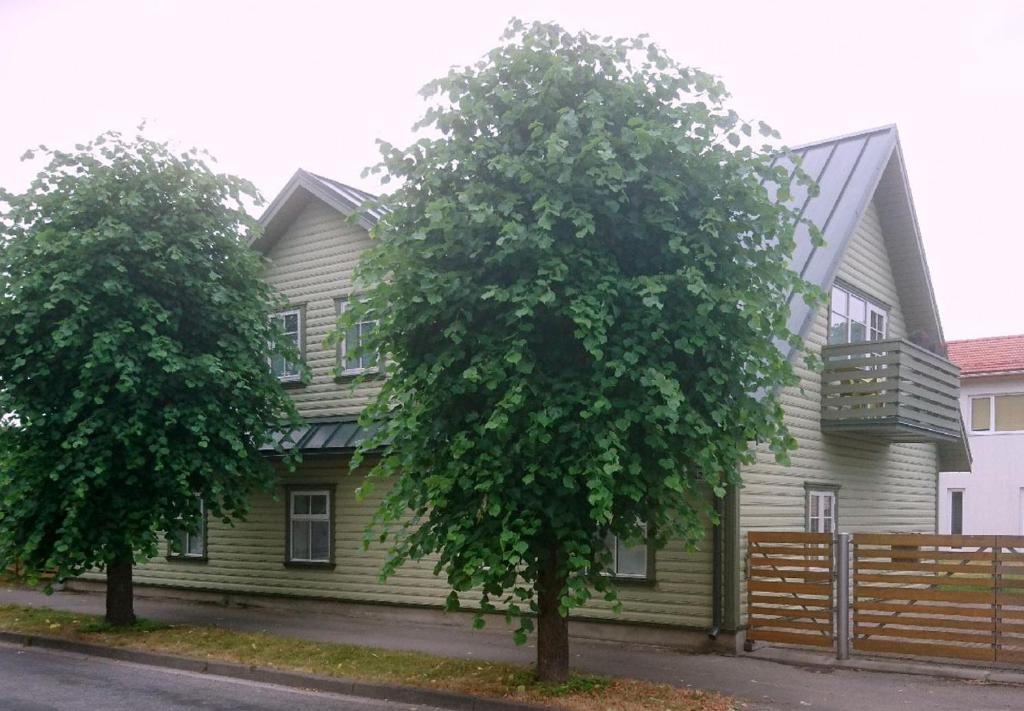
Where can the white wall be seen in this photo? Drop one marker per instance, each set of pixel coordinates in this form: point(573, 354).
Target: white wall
point(994, 491)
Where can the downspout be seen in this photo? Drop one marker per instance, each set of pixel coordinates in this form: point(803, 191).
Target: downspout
point(717, 570)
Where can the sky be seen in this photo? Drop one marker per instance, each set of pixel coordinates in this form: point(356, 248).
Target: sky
point(269, 87)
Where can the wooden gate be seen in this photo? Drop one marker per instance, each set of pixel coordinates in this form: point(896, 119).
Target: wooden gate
point(939, 596)
point(789, 589)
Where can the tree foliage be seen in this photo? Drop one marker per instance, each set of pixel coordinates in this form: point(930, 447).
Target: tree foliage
point(134, 337)
point(579, 282)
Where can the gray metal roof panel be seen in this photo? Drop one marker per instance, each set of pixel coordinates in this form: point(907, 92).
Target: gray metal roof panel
point(340, 434)
point(303, 186)
point(847, 171)
point(354, 196)
point(342, 437)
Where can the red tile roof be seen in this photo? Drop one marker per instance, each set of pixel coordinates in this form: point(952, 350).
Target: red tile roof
point(988, 356)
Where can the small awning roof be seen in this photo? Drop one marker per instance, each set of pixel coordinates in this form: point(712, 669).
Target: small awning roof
point(341, 434)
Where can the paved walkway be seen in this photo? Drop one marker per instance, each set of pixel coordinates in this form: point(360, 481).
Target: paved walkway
point(758, 683)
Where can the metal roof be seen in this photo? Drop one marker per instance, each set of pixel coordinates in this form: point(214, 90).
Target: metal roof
point(303, 187)
point(847, 171)
point(850, 171)
point(355, 197)
point(342, 434)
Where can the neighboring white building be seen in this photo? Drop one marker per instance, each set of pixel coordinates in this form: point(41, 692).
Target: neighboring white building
point(989, 500)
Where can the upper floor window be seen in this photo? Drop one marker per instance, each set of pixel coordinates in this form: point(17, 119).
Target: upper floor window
point(353, 357)
point(854, 319)
point(997, 413)
point(291, 324)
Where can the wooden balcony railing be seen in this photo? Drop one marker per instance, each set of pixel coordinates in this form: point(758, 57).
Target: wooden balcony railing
point(893, 390)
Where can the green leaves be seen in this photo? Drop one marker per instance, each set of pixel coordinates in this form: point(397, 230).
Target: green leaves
point(133, 359)
point(578, 283)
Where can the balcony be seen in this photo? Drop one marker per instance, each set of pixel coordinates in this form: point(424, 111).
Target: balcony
point(890, 390)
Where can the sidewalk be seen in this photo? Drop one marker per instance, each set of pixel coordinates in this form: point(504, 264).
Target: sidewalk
point(758, 682)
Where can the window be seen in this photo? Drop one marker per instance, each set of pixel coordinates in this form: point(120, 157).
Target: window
point(821, 510)
point(956, 511)
point(352, 358)
point(997, 413)
point(191, 545)
point(309, 526)
point(291, 323)
point(854, 319)
point(629, 562)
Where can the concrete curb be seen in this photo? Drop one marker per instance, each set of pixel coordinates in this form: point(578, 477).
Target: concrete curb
point(263, 675)
point(799, 658)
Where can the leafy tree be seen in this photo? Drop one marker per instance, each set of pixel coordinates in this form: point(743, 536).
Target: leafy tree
point(578, 283)
point(134, 338)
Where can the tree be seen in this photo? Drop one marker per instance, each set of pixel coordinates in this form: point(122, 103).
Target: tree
point(579, 284)
point(134, 342)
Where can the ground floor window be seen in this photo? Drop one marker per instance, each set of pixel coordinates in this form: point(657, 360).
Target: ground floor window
point(191, 545)
point(956, 511)
point(821, 509)
point(309, 526)
point(629, 561)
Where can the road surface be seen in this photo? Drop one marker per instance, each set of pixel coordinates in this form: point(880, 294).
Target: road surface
point(46, 680)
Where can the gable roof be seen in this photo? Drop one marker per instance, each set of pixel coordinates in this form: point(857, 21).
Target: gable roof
point(850, 171)
point(298, 192)
point(996, 355)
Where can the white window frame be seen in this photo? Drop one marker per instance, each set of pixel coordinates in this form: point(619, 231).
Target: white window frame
point(612, 541)
point(310, 517)
point(342, 305)
point(871, 308)
point(991, 414)
point(286, 377)
point(816, 509)
point(185, 537)
point(963, 502)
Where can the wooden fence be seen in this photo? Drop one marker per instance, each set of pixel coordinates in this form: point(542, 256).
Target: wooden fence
point(939, 596)
point(789, 591)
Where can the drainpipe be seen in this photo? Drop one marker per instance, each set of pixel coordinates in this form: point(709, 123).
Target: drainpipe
point(717, 571)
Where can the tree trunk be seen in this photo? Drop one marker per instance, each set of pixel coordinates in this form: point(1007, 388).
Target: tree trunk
point(552, 628)
point(120, 596)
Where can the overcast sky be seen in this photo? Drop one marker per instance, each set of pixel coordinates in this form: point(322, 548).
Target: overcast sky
point(271, 86)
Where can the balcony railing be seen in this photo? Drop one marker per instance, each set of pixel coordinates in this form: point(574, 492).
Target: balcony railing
point(893, 390)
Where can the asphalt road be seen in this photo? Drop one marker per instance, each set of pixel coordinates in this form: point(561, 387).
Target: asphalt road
point(44, 680)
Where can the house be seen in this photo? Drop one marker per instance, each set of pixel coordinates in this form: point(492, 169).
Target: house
point(991, 499)
point(872, 440)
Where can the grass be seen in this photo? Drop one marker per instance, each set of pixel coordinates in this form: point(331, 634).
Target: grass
point(507, 681)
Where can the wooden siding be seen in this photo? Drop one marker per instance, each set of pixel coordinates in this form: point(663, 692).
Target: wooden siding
point(882, 487)
point(312, 265)
point(249, 558)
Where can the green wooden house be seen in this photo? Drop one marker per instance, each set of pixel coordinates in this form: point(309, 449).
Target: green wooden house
point(874, 429)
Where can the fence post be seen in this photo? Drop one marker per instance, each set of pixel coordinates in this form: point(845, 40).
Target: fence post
point(842, 596)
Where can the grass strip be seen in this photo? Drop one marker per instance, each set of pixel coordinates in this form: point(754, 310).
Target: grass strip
point(505, 681)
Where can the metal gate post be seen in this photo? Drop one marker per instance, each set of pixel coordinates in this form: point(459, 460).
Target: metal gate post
point(842, 595)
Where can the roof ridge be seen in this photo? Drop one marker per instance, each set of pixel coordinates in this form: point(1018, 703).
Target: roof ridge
point(845, 137)
point(339, 183)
